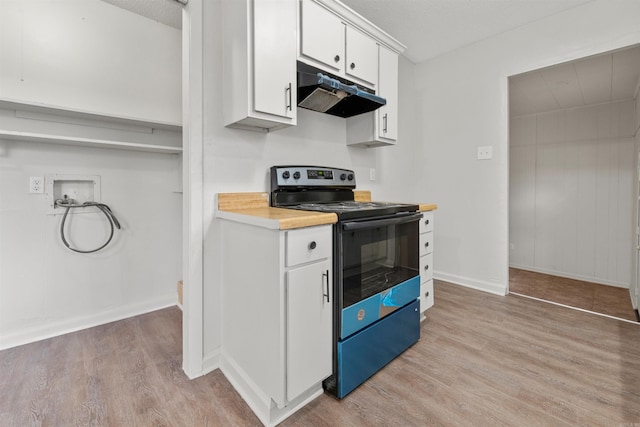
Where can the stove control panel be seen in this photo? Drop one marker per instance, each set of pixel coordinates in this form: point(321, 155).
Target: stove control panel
point(311, 176)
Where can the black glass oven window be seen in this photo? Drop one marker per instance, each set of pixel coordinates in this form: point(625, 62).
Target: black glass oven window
point(375, 259)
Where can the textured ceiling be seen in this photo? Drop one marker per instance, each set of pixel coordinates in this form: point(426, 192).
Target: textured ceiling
point(427, 27)
point(595, 80)
point(168, 12)
point(432, 27)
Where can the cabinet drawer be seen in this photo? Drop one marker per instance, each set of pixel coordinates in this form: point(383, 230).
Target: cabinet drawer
point(426, 243)
point(426, 267)
point(426, 223)
point(426, 295)
point(308, 244)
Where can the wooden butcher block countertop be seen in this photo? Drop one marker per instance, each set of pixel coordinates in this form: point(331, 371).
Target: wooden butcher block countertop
point(253, 208)
point(365, 196)
point(427, 207)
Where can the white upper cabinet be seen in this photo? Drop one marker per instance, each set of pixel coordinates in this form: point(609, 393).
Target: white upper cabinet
point(263, 39)
point(322, 37)
point(259, 64)
point(379, 127)
point(328, 42)
point(388, 86)
point(362, 57)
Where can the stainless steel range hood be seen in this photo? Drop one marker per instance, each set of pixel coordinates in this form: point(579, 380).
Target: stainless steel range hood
point(323, 92)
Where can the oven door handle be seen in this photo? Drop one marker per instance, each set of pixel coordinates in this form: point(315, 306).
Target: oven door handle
point(361, 225)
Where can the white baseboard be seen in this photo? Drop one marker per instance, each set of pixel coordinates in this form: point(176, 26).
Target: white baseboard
point(247, 389)
point(65, 326)
point(571, 276)
point(265, 409)
point(211, 361)
point(480, 285)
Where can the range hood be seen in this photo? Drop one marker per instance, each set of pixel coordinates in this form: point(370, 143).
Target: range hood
point(323, 92)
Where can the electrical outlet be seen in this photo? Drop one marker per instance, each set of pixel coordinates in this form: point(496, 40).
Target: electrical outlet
point(36, 185)
point(372, 174)
point(485, 153)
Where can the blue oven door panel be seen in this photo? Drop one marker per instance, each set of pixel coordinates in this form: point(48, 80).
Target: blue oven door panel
point(363, 354)
point(370, 310)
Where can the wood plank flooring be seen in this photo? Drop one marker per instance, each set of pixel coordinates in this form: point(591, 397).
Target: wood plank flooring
point(604, 299)
point(482, 360)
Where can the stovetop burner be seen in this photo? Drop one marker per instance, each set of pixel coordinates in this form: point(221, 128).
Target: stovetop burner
point(323, 189)
point(343, 206)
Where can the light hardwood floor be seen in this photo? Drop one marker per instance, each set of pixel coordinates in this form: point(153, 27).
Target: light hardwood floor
point(604, 299)
point(482, 360)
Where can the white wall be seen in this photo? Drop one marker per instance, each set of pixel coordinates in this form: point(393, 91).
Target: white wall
point(571, 192)
point(90, 56)
point(236, 161)
point(45, 289)
point(463, 97)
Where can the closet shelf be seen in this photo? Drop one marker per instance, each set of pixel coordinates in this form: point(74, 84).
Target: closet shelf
point(87, 142)
point(48, 124)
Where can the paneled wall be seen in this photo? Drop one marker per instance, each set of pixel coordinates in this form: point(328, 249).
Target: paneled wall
point(571, 192)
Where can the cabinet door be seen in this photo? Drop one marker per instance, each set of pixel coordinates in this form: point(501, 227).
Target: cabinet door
point(274, 71)
point(388, 88)
point(362, 57)
point(309, 321)
point(322, 36)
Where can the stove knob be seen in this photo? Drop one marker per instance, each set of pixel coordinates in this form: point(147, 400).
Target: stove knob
point(343, 177)
point(296, 175)
point(286, 174)
point(350, 177)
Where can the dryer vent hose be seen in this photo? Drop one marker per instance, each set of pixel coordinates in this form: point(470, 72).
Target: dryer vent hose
point(69, 204)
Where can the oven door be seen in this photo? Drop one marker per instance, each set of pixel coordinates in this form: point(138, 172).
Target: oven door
point(378, 270)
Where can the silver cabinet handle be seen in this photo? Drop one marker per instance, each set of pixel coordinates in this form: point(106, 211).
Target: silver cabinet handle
point(288, 89)
point(384, 120)
point(325, 280)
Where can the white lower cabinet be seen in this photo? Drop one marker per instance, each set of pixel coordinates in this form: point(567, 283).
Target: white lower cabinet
point(426, 262)
point(276, 315)
point(309, 320)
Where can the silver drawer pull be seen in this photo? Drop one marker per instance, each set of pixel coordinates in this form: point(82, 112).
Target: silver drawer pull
point(312, 245)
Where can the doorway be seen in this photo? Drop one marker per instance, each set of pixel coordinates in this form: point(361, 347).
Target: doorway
point(574, 183)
